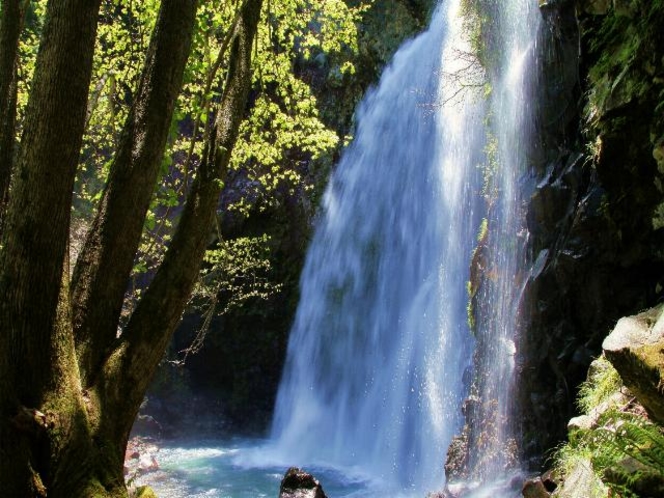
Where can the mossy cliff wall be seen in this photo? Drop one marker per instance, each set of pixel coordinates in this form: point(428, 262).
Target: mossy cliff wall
point(596, 215)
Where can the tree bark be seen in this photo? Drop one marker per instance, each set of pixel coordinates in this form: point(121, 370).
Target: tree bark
point(144, 340)
point(34, 243)
point(11, 24)
point(105, 263)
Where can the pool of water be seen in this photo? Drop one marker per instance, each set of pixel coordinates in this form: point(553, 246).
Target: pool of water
point(242, 469)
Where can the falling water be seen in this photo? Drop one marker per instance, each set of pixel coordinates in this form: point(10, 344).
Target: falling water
point(501, 258)
point(380, 353)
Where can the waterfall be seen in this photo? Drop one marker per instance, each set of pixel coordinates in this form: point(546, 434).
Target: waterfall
point(380, 354)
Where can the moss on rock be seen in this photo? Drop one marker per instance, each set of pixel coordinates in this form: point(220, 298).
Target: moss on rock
point(636, 350)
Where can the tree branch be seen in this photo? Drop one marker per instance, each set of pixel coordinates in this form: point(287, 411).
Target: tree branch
point(204, 102)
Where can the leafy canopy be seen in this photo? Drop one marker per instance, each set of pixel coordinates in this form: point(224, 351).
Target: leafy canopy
point(281, 138)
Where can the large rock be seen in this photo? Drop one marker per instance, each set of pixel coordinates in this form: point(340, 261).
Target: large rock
point(636, 350)
point(590, 421)
point(300, 484)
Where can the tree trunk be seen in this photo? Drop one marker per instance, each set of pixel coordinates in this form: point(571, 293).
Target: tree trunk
point(105, 263)
point(11, 24)
point(34, 243)
point(144, 340)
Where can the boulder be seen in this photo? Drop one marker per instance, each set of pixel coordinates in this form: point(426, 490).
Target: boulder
point(300, 484)
point(590, 421)
point(140, 457)
point(581, 482)
point(146, 425)
point(636, 350)
point(534, 488)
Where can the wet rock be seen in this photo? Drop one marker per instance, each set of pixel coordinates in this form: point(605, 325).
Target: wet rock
point(147, 463)
point(456, 463)
point(535, 488)
point(549, 481)
point(458, 489)
point(140, 457)
point(636, 349)
point(147, 425)
point(300, 484)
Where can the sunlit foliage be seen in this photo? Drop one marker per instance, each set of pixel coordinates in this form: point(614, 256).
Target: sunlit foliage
point(283, 132)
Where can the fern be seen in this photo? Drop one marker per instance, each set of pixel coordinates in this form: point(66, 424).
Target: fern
point(626, 450)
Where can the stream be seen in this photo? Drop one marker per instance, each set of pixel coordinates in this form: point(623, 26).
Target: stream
point(240, 468)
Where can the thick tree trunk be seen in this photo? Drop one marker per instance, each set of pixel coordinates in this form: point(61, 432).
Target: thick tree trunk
point(146, 336)
point(11, 24)
point(34, 245)
point(105, 263)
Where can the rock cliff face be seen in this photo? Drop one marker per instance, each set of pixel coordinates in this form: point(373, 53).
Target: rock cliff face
point(595, 217)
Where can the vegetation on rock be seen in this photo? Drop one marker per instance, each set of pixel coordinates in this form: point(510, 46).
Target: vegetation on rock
point(613, 444)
